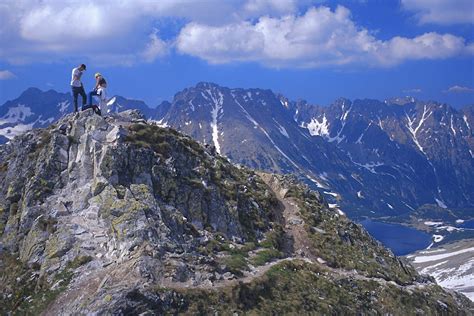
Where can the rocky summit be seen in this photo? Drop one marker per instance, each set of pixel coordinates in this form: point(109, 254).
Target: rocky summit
point(120, 216)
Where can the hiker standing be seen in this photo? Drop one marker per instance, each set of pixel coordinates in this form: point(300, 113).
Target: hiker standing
point(76, 85)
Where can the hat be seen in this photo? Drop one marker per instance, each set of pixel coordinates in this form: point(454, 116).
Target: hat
point(97, 74)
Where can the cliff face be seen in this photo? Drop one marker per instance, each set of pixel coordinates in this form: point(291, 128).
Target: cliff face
point(122, 216)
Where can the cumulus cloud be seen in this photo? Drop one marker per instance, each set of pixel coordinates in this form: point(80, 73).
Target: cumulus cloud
point(320, 37)
point(266, 6)
point(6, 74)
point(155, 48)
point(459, 89)
point(441, 11)
point(269, 32)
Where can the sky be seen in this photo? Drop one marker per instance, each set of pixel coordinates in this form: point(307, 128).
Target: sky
point(305, 49)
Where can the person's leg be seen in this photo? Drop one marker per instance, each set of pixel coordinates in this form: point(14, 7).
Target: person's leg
point(75, 93)
point(90, 97)
point(87, 106)
point(91, 94)
point(84, 96)
point(97, 110)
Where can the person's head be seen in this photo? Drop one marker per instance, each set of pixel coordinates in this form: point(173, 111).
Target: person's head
point(82, 67)
point(97, 75)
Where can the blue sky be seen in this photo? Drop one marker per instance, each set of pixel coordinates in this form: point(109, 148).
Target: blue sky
point(313, 50)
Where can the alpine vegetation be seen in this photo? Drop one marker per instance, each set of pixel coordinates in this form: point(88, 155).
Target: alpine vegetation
point(121, 216)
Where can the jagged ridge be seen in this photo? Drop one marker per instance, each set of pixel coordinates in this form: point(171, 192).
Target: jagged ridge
point(122, 216)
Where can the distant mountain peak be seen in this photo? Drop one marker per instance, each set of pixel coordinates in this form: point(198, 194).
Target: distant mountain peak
point(401, 100)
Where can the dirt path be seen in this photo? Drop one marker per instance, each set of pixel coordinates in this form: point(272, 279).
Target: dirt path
point(297, 248)
point(294, 225)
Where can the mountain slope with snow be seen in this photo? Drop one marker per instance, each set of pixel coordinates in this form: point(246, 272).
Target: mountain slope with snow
point(370, 158)
point(452, 265)
point(383, 158)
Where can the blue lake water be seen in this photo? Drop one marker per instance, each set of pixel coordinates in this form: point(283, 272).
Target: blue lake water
point(400, 239)
point(467, 224)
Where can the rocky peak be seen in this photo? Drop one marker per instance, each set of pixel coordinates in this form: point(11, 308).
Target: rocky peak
point(401, 100)
point(121, 216)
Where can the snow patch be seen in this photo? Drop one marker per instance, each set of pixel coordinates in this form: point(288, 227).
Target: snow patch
point(438, 238)
point(216, 110)
point(421, 259)
point(111, 101)
point(162, 124)
point(331, 193)
point(282, 130)
point(430, 223)
point(11, 132)
point(16, 114)
point(319, 184)
point(440, 203)
point(414, 130)
point(317, 128)
point(466, 121)
point(452, 126)
point(359, 140)
point(63, 106)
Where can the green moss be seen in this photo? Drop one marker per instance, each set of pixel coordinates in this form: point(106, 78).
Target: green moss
point(275, 238)
point(32, 295)
point(149, 136)
point(296, 287)
point(264, 256)
point(235, 263)
point(343, 237)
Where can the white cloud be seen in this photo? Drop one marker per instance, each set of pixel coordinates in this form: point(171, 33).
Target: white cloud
point(442, 11)
point(459, 89)
point(427, 46)
point(155, 48)
point(414, 90)
point(6, 74)
point(266, 6)
point(320, 37)
point(270, 32)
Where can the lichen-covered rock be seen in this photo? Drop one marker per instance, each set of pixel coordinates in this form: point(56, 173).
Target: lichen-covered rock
point(121, 216)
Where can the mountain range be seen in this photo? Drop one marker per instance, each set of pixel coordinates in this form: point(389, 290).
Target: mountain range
point(371, 158)
point(119, 216)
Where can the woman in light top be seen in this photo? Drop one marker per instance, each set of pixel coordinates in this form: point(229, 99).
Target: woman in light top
point(102, 96)
point(99, 80)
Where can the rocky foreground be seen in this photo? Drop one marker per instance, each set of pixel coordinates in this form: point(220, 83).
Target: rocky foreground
point(118, 216)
